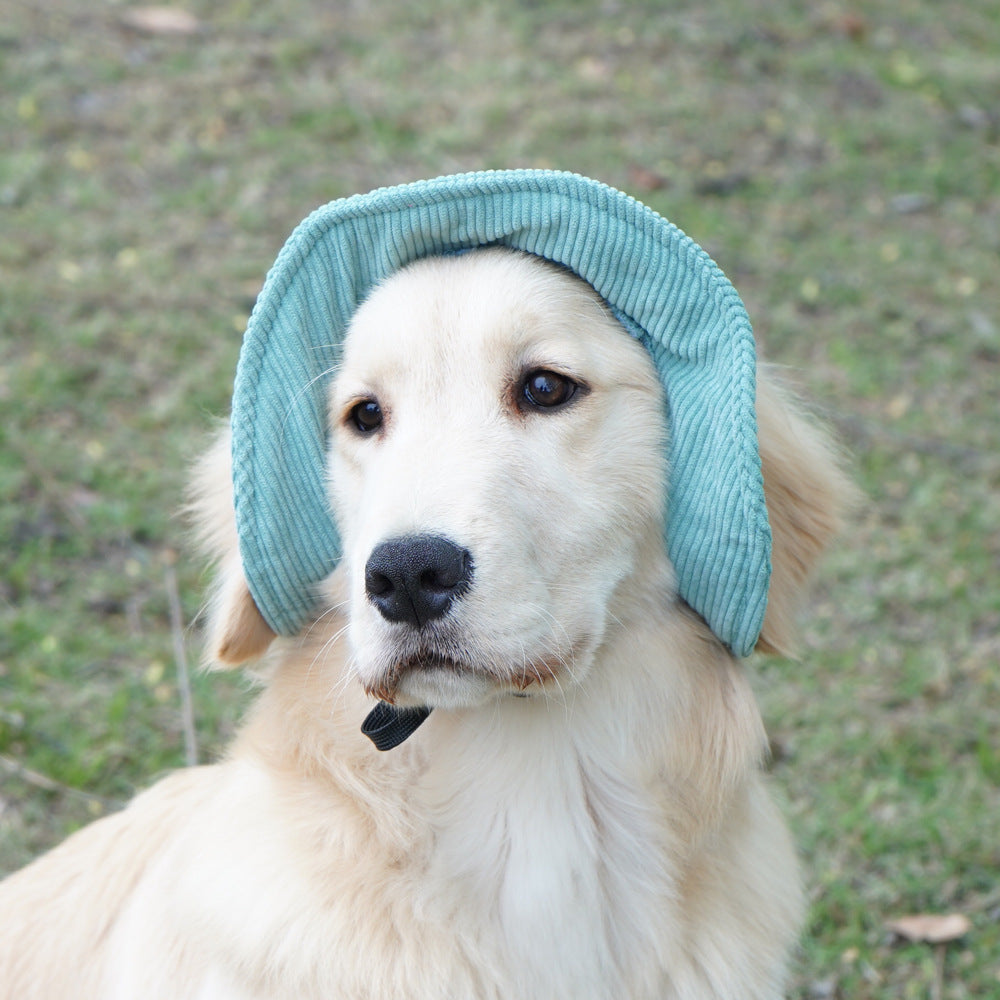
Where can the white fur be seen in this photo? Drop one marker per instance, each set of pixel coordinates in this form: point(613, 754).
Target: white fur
point(582, 816)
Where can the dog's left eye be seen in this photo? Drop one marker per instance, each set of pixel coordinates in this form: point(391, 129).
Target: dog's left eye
point(544, 390)
point(366, 416)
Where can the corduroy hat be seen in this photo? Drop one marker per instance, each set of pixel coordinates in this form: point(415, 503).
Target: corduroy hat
point(663, 288)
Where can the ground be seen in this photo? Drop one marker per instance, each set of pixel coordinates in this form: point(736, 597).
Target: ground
point(840, 161)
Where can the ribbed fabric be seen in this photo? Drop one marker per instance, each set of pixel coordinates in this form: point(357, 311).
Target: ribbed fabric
point(662, 286)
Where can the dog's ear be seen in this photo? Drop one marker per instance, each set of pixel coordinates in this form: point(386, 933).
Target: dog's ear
point(807, 496)
point(237, 631)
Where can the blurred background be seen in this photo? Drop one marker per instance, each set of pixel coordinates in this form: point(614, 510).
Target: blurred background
point(840, 161)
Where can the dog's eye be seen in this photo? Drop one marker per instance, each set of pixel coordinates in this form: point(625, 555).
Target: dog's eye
point(366, 416)
point(544, 390)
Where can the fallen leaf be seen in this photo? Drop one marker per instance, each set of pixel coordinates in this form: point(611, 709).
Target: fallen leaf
point(898, 406)
point(161, 21)
point(646, 179)
point(592, 69)
point(931, 927)
point(853, 25)
point(809, 290)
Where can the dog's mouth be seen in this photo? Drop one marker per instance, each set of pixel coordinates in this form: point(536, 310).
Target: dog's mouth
point(386, 686)
point(401, 710)
point(516, 680)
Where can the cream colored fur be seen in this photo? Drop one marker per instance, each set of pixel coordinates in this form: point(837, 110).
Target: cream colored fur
point(607, 836)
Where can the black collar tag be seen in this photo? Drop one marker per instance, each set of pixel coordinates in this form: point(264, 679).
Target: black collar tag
point(387, 726)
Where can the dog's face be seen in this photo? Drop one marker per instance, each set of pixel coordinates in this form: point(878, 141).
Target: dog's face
point(497, 470)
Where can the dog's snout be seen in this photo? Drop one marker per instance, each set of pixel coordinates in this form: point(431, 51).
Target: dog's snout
point(415, 579)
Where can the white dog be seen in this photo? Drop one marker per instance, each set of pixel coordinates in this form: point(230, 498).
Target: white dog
point(582, 816)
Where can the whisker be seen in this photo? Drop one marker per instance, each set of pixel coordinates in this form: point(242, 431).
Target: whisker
point(303, 392)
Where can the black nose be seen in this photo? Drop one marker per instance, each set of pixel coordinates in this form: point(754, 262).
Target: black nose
point(416, 578)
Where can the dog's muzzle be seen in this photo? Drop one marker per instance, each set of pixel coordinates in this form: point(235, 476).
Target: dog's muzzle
point(412, 580)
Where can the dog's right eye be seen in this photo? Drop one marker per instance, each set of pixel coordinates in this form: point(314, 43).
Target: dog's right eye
point(546, 390)
point(366, 416)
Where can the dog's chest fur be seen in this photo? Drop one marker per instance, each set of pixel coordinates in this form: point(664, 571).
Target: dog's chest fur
point(550, 857)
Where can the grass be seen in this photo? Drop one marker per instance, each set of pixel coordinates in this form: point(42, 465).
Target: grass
point(841, 162)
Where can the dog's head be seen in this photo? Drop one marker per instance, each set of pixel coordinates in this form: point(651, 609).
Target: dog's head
point(497, 469)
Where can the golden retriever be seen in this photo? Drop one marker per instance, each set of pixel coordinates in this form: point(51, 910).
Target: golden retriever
point(584, 813)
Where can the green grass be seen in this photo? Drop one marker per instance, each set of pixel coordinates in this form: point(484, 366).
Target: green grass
point(842, 163)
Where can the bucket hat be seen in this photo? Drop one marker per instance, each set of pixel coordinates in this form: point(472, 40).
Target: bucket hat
point(662, 287)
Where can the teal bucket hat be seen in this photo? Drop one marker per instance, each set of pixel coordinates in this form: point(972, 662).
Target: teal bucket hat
point(664, 289)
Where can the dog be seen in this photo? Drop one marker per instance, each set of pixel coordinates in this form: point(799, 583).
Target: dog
point(583, 814)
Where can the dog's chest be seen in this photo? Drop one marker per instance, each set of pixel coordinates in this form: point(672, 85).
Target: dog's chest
point(558, 871)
